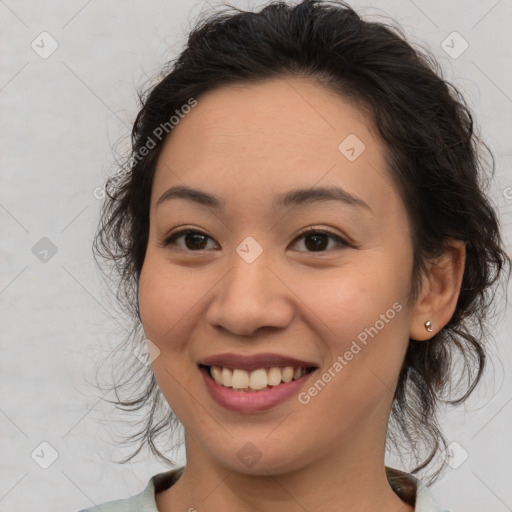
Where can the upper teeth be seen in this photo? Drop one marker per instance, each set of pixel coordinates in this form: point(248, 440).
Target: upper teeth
point(257, 379)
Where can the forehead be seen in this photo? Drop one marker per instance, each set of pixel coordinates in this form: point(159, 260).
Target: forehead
point(259, 139)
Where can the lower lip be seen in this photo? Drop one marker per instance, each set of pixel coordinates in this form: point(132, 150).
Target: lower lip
point(252, 401)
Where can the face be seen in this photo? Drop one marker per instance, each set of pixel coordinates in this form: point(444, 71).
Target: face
point(247, 293)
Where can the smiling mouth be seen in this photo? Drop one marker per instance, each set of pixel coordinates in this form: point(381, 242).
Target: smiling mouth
point(259, 379)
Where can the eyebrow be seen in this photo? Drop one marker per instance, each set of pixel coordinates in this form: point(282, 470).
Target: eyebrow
point(295, 197)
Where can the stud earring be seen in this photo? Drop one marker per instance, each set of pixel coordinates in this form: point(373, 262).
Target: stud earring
point(428, 326)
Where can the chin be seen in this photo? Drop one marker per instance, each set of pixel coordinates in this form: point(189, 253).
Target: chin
point(252, 460)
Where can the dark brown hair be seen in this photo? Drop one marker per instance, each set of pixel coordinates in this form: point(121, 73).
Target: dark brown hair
point(433, 153)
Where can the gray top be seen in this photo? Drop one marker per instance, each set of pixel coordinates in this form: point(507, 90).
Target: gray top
point(408, 487)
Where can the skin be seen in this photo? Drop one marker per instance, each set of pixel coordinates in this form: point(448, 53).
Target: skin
point(246, 144)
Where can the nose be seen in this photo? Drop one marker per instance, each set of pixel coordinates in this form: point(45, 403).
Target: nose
point(250, 299)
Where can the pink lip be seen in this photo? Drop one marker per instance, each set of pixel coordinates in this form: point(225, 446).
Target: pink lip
point(254, 362)
point(252, 401)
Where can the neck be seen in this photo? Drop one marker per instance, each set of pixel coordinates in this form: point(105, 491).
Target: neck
point(332, 484)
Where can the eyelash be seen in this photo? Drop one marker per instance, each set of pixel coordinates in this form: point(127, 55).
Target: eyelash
point(169, 240)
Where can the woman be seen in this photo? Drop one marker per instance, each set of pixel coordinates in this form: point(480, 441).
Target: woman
point(302, 234)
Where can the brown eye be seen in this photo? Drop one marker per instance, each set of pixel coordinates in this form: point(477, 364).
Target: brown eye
point(194, 240)
point(318, 241)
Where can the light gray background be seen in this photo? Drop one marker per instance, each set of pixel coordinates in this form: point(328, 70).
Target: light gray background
point(60, 118)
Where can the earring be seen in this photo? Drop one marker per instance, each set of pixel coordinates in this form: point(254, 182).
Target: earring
point(428, 326)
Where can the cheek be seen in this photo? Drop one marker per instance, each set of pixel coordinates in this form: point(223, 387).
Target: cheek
point(362, 318)
point(166, 303)
point(353, 299)
point(166, 300)
point(364, 327)
point(153, 300)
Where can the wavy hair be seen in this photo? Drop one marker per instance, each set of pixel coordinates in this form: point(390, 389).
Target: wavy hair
point(439, 165)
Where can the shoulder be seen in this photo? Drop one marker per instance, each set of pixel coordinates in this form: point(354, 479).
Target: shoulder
point(138, 503)
point(145, 500)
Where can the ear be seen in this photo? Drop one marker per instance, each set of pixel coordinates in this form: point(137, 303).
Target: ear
point(439, 292)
